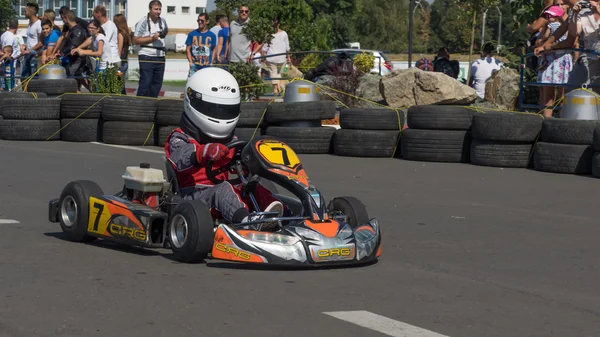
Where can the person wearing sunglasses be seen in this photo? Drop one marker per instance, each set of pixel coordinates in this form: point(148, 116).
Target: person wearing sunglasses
point(201, 45)
point(239, 45)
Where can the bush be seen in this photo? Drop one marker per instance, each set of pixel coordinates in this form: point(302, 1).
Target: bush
point(107, 82)
point(346, 83)
point(364, 62)
point(246, 75)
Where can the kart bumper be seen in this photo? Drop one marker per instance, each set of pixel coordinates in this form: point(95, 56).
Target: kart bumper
point(300, 245)
point(53, 210)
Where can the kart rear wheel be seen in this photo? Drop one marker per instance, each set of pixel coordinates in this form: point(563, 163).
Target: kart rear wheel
point(352, 208)
point(191, 231)
point(73, 209)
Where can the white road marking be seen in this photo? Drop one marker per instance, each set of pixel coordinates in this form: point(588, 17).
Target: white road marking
point(7, 221)
point(131, 148)
point(382, 324)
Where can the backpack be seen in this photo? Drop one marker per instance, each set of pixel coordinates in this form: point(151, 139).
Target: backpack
point(424, 64)
point(450, 68)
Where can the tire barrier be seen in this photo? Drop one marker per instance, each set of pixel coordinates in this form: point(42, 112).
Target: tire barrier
point(422, 133)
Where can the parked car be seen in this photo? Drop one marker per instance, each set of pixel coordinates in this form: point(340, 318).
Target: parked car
point(383, 65)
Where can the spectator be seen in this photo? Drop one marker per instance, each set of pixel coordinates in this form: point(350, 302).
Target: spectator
point(443, 64)
point(279, 45)
point(50, 39)
point(201, 46)
point(34, 41)
point(51, 15)
point(217, 27)
point(482, 69)
point(111, 33)
point(150, 33)
point(8, 70)
point(124, 36)
point(10, 38)
point(239, 45)
point(223, 41)
point(74, 64)
point(554, 66)
point(100, 46)
point(65, 30)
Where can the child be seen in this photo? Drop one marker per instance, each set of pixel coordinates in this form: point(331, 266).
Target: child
point(556, 16)
point(50, 39)
point(8, 67)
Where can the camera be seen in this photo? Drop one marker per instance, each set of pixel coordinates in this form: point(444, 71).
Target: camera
point(585, 4)
point(161, 34)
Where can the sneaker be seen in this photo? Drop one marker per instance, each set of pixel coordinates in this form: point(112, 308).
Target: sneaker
point(275, 206)
point(270, 226)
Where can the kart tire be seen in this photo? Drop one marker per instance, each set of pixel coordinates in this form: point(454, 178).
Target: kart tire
point(129, 109)
point(169, 111)
point(81, 130)
point(300, 111)
point(439, 117)
point(568, 131)
point(506, 127)
point(304, 140)
point(352, 208)
point(436, 145)
point(77, 193)
point(371, 119)
point(199, 236)
point(31, 108)
point(14, 129)
point(251, 114)
point(128, 133)
point(563, 158)
point(82, 105)
point(365, 143)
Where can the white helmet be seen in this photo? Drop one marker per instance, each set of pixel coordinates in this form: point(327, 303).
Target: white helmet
point(212, 102)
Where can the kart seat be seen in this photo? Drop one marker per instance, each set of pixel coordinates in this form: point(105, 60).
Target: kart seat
point(171, 176)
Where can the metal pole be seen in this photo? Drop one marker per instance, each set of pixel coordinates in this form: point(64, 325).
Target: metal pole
point(499, 26)
point(410, 31)
point(483, 28)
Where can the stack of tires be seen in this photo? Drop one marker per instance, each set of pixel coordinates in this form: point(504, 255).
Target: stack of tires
point(298, 124)
point(368, 132)
point(250, 118)
point(596, 157)
point(81, 117)
point(168, 116)
point(565, 146)
point(27, 118)
point(129, 120)
point(437, 133)
point(502, 139)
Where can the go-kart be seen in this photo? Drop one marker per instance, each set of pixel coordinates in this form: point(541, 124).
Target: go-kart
point(150, 212)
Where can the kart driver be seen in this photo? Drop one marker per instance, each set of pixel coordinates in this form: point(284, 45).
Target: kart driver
point(211, 112)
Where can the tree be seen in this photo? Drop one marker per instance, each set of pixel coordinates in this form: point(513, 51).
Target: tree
point(7, 12)
point(229, 6)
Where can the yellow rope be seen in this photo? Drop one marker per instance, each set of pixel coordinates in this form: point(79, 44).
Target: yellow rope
point(81, 114)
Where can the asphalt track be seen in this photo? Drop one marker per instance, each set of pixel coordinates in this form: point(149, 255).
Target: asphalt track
point(468, 251)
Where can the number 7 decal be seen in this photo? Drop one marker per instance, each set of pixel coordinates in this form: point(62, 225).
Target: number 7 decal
point(284, 156)
point(100, 208)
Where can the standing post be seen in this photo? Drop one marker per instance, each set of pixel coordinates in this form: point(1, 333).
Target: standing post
point(483, 27)
point(499, 28)
point(410, 30)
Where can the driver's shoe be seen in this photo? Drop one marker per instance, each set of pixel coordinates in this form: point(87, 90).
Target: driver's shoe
point(269, 226)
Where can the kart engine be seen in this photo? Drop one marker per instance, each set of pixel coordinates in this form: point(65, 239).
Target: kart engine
point(144, 184)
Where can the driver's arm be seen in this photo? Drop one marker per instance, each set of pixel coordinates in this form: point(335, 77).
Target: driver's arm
point(185, 155)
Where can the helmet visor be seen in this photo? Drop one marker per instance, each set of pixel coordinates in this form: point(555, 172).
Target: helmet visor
point(212, 110)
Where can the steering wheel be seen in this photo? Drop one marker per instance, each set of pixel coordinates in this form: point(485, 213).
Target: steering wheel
point(212, 174)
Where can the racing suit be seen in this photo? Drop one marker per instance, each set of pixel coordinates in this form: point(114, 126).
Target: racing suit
point(189, 158)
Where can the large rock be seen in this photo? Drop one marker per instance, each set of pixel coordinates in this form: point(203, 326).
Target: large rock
point(502, 89)
point(369, 88)
point(413, 86)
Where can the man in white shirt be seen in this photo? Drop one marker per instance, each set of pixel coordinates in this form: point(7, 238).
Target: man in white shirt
point(216, 28)
point(482, 69)
point(34, 41)
point(10, 38)
point(111, 32)
point(150, 33)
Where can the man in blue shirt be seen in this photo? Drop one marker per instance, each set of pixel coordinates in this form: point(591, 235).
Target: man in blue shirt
point(201, 46)
point(223, 46)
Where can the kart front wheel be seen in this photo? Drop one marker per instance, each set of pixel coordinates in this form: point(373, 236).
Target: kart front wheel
point(74, 210)
point(350, 207)
point(191, 231)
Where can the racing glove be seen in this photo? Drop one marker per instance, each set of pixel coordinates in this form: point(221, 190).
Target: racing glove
point(212, 151)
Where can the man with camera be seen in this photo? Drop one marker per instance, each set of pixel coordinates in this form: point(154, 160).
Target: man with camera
point(150, 33)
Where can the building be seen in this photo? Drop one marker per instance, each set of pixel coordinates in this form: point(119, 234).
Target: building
point(180, 15)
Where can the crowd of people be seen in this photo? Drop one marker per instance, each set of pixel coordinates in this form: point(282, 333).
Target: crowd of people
point(83, 47)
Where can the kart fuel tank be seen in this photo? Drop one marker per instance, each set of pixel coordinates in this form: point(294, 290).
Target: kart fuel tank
point(144, 178)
